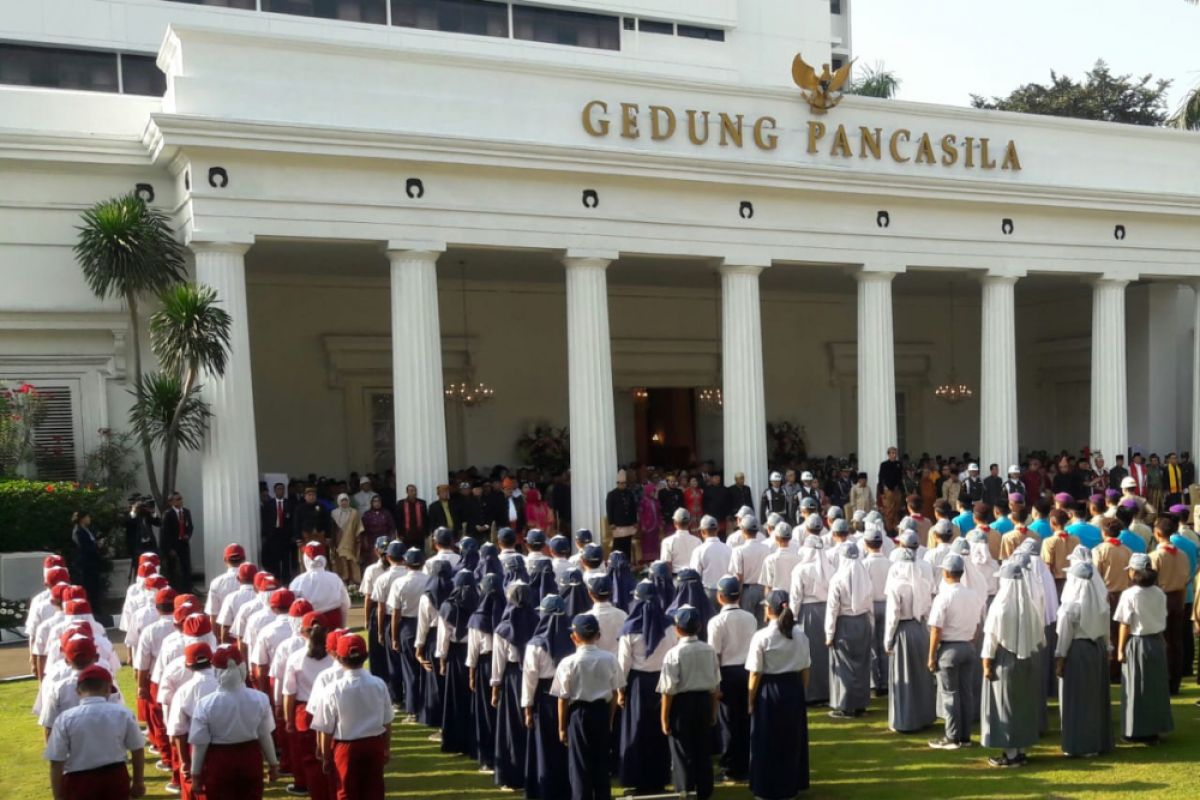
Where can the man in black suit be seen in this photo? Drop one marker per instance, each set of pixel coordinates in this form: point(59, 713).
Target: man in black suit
point(443, 512)
point(620, 507)
point(277, 534)
point(311, 522)
point(177, 530)
point(715, 500)
point(739, 495)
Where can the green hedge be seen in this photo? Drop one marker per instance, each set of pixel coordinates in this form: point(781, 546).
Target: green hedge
point(36, 515)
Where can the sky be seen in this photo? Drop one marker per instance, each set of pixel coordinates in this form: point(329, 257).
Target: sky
point(945, 50)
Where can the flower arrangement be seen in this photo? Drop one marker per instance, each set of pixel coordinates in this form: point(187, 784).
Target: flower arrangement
point(546, 448)
point(786, 442)
point(12, 613)
point(21, 409)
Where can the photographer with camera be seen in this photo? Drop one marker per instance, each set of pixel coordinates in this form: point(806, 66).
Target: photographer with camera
point(139, 530)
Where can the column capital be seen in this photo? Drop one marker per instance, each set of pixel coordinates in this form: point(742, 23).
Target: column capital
point(1003, 275)
point(876, 276)
point(1112, 279)
point(740, 268)
point(219, 242)
point(401, 248)
point(594, 257)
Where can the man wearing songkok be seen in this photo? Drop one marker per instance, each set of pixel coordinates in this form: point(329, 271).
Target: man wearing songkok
point(912, 690)
point(353, 720)
point(689, 684)
point(677, 548)
point(231, 734)
point(954, 619)
point(86, 748)
point(849, 616)
point(1012, 634)
point(225, 583)
point(586, 684)
point(1145, 677)
point(322, 588)
point(729, 633)
point(1081, 661)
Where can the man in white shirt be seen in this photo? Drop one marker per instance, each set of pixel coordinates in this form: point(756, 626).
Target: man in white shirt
point(689, 684)
point(954, 619)
point(609, 617)
point(777, 567)
point(677, 548)
point(87, 745)
point(729, 633)
point(403, 604)
point(711, 560)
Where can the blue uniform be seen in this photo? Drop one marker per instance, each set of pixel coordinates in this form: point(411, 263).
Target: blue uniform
point(1131, 540)
point(964, 522)
point(1088, 534)
point(1193, 554)
point(1041, 527)
point(1003, 525)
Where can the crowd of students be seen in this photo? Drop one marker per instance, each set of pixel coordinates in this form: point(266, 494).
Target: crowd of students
point(558, 671)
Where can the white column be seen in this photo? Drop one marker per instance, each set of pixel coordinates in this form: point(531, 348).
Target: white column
point(417, 387)
point(1196, 373)
point(876, 369)
point(1109, 419)
point(745, 416)
point(229, 461)
point(998, 373)
point(589, 387)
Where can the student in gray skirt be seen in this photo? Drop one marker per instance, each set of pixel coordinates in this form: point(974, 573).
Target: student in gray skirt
point(1012, 635)
point(1081, 662)
point(1142, 652)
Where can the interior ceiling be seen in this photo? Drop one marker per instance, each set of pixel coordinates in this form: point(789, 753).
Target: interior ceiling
point(350, 260)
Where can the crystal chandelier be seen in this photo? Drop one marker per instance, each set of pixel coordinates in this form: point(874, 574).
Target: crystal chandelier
point(711, 399)
point(952, 390)
point(467, 392)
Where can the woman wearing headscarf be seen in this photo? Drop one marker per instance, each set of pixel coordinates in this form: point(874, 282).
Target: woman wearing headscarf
point(377, 521)
point(347, 550)
point(512, 634)
point(481, 628)
point(809, 592)
point(574, 594)
point(1145, 693)
point(538, 513)
point(546, 753)
point(623, 581)
point(1081, 661)
point(664, 582)
point(1012, 635)
point(912, 690)
point(458, 731)
point(649, 521)
point(541, 581)
point(438, 586)
point(693, 501)
point(468, 551)
point(779, 669)
point(849, 615)
point(489, 562)
point(689, 591)
point(645, 639)
point(514, 570)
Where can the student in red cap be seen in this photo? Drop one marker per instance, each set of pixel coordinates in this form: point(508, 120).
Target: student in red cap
point(225, 583)
point(58, 694)
point(175, 672)
point(323, 681)
point(354, 720)
point(134, 595)
point(253, 615)
point(230, 734)
point(299, 672)
point(86, 749)
point(40, 606)
point(244, 593)
point(322, 588)
point(144, 655)
point(198, 657)
point(296, 613)
point(273, 634)
point(145, 613)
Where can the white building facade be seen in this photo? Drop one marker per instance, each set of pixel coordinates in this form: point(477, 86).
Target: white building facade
point(578, 201)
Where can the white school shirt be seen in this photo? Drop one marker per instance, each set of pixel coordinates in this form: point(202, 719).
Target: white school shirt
point(777, 569)
point(730, 632)
point(958, 611)
point(561, 567)
point(384, 581)
point(772, 653)
point(231, 717)
point(254, 623)
point(611, 619)
point(404, 595)
point(503, 654)
point(93, 734)
point(878, 566)
point(150, 642)
point(237, 627)
point(1143, 609)
point(320, 686)
point(445, 555)
point(740, 537)
point(677, 549)
point(222, 585)
point(747, 561)
point(445, 637)
point(143, 617)
point(538, 666)
point(269, 638)
point(108, 655)
point(41, 639)
point(711, 559)
point(690, 666)
point(323, 589)
point(53, 674)
point(427, 618)
point(587, 675)
point(179, 716)
point(532, 559)
point(233, 601)
point(631, 653)
point(366, 586)
point(279, 662)
point(61, 694)
point(899, 597)
point(135, 600)
point(299, 673)
point(355, 706)
point(37, 605)
point(479, 647)
point(38, 617)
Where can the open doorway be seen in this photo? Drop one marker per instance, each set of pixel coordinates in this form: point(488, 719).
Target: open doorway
point(665, 426)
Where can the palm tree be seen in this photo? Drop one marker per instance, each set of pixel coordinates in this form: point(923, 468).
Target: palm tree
point(128, 250)
point(190, 337)
point(875, 82)
point(1188, 114)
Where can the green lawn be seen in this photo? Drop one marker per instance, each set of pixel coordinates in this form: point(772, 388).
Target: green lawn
point(849, 759)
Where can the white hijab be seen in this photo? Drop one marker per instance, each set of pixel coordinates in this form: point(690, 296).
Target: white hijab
point(906, 572)
point(852, 574)
point(1014, 622)
point(812, 552)
point(1082, 593)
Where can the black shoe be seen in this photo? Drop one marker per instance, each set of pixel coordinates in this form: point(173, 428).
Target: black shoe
point(966, 743)
point(1005, 761)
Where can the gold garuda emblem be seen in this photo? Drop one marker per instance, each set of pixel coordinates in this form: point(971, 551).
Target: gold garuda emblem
point(822, 91)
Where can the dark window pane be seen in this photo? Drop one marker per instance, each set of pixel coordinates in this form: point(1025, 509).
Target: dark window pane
point(247, 5)
point(697, 32)
point(654, 26)
point(630, 23)
point(835, 6)
point(478, 17)
point(557, 26)
point(346, 10)
point(837, 63)
point(141, 75)
point(58, 68)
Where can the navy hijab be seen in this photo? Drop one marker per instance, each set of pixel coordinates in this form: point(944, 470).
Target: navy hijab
point(623, 582)
point(660, 576)
point(689, 591)
point(553, 635)
point(541, 582)
point(647, 617)
point(489, 562)
point(575, 594)
point(440, 583)
point(468, 548)
point(514, 570)
point(461, 604)
point(518, 620)
point(490, 610)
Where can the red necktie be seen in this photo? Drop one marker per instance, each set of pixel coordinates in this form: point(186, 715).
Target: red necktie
point(182, 527)
point(278, 513)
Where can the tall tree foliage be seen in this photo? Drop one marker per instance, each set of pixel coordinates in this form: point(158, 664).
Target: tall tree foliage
point(1099, 96)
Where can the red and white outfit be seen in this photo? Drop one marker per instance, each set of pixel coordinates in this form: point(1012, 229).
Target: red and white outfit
point(230, 734)
point(299, 673)
point(323, 589)
point(1138, 473)
point(356, 710)
point(179, 723)
point(91, 741)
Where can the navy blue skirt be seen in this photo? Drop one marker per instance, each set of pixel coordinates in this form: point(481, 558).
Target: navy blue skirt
point(411, 674)
point(552, 780)
point(377, 654)
point(645, 753)
point(458, 729)
point(483, 715)
point(779, 738)
point(432, 682)
point(511, 735)
point(733, 723)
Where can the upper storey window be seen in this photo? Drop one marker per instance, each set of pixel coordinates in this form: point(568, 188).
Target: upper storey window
point(346, 10)
point(558, 26)
point(87, 70)
point(478, 17)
